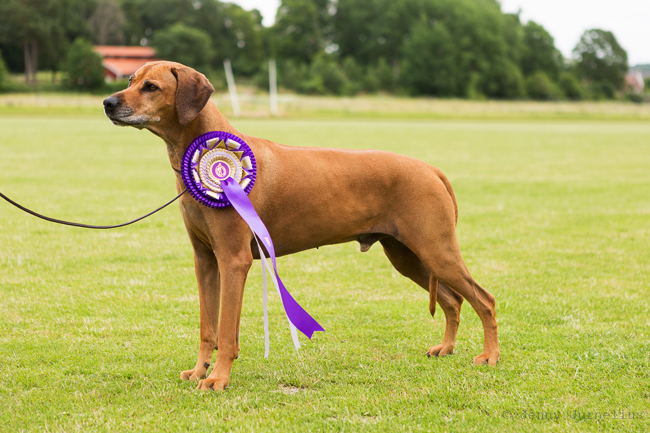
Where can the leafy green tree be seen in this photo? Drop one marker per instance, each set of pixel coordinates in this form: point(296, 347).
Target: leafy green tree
point(430, 66)
point(155, 15)
point(234, 33)
point(83, 67)
point(36, 34)
point(513, 34)
point(301, 29)
point(478, 54)
point(71, 18)
point(134, 27)
point(357, 30)
point(484, 62)
point(28, 23)
point(237, 35)
point(183, 44)
point(539, 52)
point(107, 23)
point(601, 60)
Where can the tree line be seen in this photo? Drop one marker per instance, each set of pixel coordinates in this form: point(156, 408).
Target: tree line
point(444, 48)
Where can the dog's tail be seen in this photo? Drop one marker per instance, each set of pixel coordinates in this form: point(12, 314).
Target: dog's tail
point(450, 190)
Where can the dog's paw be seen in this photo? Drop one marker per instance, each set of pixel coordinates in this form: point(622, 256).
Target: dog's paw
point(193, 374)
point(212, 385)
point(487, 358)
point(440, 350)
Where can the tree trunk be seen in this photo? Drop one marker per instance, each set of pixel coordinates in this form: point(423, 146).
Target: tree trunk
point(395, 71)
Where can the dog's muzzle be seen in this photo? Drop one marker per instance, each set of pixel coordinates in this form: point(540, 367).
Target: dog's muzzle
point(120, 114)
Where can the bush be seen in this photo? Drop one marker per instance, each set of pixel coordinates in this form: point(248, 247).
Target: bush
point(313, 85)
point(370, 82)
point(291, 75)
point(261, 78)
point(355, 77)
point(385, 75)
point(323, 76)
point(571, 86)
point(3, 72)
point(473, 89)
point(379, 77)
point(602, 90)
point(510, 81)
point(540, 87)
point(83, 67)
point(637, 98)
point(326, 70)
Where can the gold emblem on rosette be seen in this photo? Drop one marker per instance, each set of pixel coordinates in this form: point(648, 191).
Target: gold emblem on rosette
point(214, 156)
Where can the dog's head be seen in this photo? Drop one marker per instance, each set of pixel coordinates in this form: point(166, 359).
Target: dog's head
point(159, 92)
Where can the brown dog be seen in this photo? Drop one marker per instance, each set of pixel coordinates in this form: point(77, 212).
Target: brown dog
point(307, 197)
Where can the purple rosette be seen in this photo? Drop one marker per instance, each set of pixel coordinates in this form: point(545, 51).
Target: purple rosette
point(213, 157)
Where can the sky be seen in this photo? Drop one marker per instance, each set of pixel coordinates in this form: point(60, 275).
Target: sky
point(565, 20)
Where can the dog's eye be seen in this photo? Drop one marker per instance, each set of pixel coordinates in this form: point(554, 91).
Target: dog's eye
point(130, 80)
point(149, 87)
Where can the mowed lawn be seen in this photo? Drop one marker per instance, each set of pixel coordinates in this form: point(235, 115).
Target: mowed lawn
point(95, 326)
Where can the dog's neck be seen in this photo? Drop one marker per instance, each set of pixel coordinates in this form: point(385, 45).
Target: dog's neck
point(178, 137)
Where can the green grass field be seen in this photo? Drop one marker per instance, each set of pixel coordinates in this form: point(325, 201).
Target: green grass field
point(95, 326)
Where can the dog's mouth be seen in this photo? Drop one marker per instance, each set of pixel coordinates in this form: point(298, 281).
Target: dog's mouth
point(137, 122)
point(118, 122)
point(124, 116)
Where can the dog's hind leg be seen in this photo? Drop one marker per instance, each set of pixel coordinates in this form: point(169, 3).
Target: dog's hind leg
point(446, 263)
point(207, 276)
point(409, 265)
point(450, 301)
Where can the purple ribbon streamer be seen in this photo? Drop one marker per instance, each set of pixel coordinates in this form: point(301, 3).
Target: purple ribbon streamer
point(296, 314)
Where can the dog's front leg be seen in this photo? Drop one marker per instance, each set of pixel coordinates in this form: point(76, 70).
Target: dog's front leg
point(207, 277)
point(233, 270)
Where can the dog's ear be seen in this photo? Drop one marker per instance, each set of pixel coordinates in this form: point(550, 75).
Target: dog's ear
point(192, 93)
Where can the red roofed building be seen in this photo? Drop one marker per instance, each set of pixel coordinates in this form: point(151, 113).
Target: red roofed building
point(634, 81)
point(123, 61)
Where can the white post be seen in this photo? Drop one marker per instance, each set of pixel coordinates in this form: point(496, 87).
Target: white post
point(230, 78)
point(273, 87)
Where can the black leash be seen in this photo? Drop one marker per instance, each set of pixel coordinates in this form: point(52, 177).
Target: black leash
point(86, 226)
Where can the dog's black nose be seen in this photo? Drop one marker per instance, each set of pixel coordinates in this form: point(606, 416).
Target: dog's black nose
point(111, 103)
